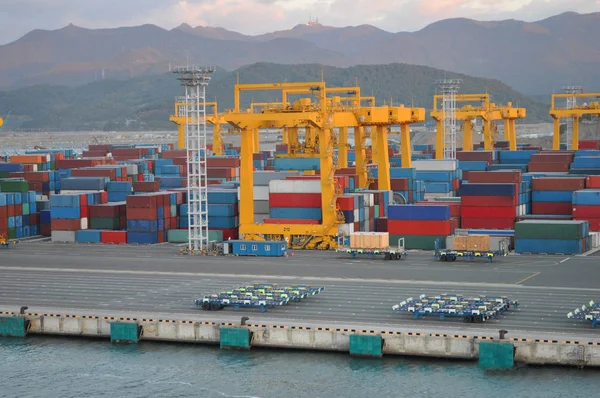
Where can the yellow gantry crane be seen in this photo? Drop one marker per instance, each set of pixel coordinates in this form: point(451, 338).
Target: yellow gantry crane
point(487, 112)
point(215, 120)
point(593, 108)
point(320, 119)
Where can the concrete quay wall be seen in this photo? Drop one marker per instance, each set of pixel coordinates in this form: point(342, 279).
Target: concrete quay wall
point(526, 351)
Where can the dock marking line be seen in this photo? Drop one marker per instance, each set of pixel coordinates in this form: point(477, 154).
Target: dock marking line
point(528, 278)
point(562, 261)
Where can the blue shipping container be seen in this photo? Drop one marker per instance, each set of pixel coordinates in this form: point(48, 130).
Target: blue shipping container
point(549, 246)
point(88, 236)
point(301, 213)
point(471, 189)
point(416, 212)
point(587, 197)
point(257, 248)
point(551, 196)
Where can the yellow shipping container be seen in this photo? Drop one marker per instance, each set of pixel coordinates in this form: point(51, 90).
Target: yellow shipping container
point(460, 242)
point(369, 240)
point(478, 243)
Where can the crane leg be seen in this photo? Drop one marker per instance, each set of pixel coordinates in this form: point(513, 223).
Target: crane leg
point(359, 144)
point(556, 136)
point(468, 135)
point(575, 137)
point(406, 148)
point(383, 159)
point(439, 141)
point(343, 148)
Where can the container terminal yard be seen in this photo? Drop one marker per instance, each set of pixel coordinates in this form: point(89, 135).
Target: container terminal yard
point(493, 243)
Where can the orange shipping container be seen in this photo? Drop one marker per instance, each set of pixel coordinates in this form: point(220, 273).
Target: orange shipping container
point(30, 159)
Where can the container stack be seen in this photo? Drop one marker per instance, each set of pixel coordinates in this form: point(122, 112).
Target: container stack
point(551, 162)
point(18, 213)
point(516, 158)
point(474, 161)
point(441, 177)
point(108, 216)
point(492, 200)
point(146, 217)
point(551, 236)
point(589, 144)
point(553, 195)
point(403, 181)
point(295, 200)
point(84, 183)
point(69, 213)
point(45, 223)
point(586, 162)
point(420, 226)
point(586, 207)
point(223, 213)
point(118, 191)
point(261, 191)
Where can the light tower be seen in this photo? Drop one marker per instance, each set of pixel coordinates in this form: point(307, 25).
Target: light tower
point(195, 79)
point(449, 89)
point(571, 103)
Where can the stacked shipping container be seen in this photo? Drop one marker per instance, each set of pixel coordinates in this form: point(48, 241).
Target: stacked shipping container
point(420, 226)
point(551, 236)
point(553, 195)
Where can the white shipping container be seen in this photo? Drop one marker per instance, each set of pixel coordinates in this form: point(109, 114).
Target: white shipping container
point(356, 215)
point(261, 193)
point(263, 177)
point(346, 229)
point(63, 236)
point(84, 223)
point(295, 186)
point(435, 165)
point(132, 169)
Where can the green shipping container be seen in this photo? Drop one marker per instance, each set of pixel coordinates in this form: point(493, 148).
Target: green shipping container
point(181, 236)
point(422, 242)
point(25, 209)
point(14, 186)
point(12, 233)
point(550, 229)
point(111, 223)
point(3, 174)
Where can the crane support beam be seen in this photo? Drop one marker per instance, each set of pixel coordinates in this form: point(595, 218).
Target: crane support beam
point(467, 135)
point(361, 157)
point(343, 148)
point(247, 176)
point(238, 88)
point(406, 146)
point(382, 157)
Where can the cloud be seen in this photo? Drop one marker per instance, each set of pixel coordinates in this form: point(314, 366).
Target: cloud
point(260, 16)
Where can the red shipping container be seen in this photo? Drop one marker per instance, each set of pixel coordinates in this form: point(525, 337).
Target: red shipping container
point(494, 177)
point(146, 186)
point(550, 167)
point(345, 203)
point(581, 211)
point(488, 223)
point(110, 210)
point(552, 157)
point(116, 237)
point(487, 156)
point(454, 223)
point(551, 208)
point(399, 184)
point(10, 210)
point(592, 182)
point(485, 201)
point(37, 176)
point(558, 184)
point(143, 201)
point(36, 186)
point(161, 236)
point(3, 212)
point(293, 221)
point(18, 210)
point(34, 219)
point(178, 153)
point(488, 212)
point(594, 223)
point(141, 213)
point(455, 185)
point(419, 227)
point(588, 144)
point(229, 233)
point(84, 211)
point(381, 225)
point(45, 230)
point(63, 224)
point(222, 162)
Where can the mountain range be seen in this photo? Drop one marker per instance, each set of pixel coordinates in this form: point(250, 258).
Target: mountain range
point(146, 102)
point(532, 57)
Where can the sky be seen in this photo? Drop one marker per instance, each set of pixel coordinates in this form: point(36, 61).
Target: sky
point(17, 17)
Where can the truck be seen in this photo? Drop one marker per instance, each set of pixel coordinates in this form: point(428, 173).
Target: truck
point(453, 254)
point(388, 252)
